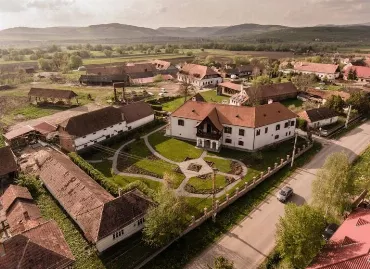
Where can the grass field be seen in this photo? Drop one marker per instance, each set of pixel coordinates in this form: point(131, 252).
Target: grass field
point(173, 105)
point(207, 184)
point(211, 96)
point(173, 149)
point(130, 58)
point(221, 164)
point(360, 172)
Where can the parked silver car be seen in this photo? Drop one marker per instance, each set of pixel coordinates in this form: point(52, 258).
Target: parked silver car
point(284, 194)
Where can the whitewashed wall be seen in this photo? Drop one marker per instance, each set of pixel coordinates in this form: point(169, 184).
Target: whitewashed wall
point(100, 135)
point(188, 131)
point(268, 138)
point(235, 137)
point(140, 122)
point(108, 241)
point(198, 82)
point(323, 122)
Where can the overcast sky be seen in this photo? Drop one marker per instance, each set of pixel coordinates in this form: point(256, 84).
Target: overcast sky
point(156, 13)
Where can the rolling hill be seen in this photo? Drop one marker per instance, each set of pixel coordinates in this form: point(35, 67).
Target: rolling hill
point(190, 31)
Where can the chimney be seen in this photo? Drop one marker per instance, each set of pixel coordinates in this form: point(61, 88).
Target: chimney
point(26, 215)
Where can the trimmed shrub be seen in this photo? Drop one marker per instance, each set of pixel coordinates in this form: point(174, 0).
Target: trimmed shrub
point(141, 186)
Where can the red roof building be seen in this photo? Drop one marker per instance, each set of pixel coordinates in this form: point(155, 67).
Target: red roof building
point(362, 72)
point(349, 247)
point(328, 71)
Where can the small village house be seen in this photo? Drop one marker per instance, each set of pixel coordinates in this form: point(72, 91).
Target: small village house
point(8, 166)
point(322, 71)
point(362, 73)
point(239, 71)
point(104, 75)
point(349, 247)
point(319, 117)
point(165, 66)
point(103, 219)
point(27, 240)
point(52, 96)
point(322, 96)
point(82, 131)
point(213, 126)
point(228, 88)
point(199, 75)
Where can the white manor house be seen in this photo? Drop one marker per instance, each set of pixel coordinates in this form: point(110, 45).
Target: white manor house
point(212, 125)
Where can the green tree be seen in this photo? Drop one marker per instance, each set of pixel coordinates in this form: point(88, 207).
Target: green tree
point(336, 103)
point(189, 53)
point(166, 220)
point(108, 53)
point(332, 185)
point(75, 61)
point(298, 235)
point(45, 64)
point(360, 102)
point(261, 80)
point(222, 263)
point(158, 78)
point(304, 81)
point(60, 61)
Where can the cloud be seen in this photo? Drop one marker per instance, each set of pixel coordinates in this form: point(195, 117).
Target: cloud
point(49, 4)
point(12, 6)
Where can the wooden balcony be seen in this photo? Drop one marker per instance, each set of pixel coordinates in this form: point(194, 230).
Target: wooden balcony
point(212, 136)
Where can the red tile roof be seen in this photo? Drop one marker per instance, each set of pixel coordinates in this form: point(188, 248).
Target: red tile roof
point(24, 130)
point(316, 67)
point(91, 206)
point(160, 64)
point(8, 163)
point(45, 128)
point(42, 247)
point(197, 71)
point(326, 94)
point(318, 114)
point(349, 247)
point(12, 193)
point(230, 85)
point(252, 117)
point(361, 71)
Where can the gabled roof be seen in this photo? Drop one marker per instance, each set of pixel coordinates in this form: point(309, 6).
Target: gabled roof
point(24, 130)
point(136, 68)
point(136, 111)
point(8, 163)
point(324, 94)
point(42, 247)
point(317, 114)
point(214, 119)
point(197, 71)
point(230, 85)
point(198, 97)
point(316, 67)
point(12, 193)
point(95, 211)
point(162, 64)
point(105, 70)
point(45, 128)
point(252, 117)
point(93, 121)
point(52, 93)
point(361, 71)
point(349, 247)
point(273, 90)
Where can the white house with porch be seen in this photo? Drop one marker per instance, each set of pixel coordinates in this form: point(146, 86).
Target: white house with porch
point(212, 126)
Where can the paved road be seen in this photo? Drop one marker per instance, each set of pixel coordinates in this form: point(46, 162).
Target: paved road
point(249, 242)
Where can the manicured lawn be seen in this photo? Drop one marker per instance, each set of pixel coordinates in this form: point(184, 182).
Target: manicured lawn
point(184, 249)
point(124, 180)
point(33, 112)
point(140, 156)
point(211, 96)
point(207, 184)
point(221, 164)
point(196, 206)
point(173, 149)
point(360, 172)
point(173, 105)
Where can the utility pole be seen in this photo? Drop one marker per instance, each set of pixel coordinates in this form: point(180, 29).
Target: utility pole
point(214, 195)
point(348, 115)
point(294, 148)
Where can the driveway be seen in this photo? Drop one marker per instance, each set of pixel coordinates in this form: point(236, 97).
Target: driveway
point(248, 243)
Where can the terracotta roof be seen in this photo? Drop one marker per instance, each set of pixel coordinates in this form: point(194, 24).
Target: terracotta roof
point(316, 67)
point(273, 90)
point(8, 163)
point(19, 132)
point(361, 71)
point(326, 94)
point(349, 247)
point(160, 64)
point(42, 247)
point(105, 70)
point(52, 93)
point(230, 85)
point(96, 211)
point(252, 117)
point(45, 128)
point(318, 114)
point(197, 71)
point(136, 111)
point(132, 69)
point(93, 121)
point(12, 193)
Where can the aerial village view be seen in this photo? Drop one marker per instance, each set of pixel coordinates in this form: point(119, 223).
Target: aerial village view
point(197, 135)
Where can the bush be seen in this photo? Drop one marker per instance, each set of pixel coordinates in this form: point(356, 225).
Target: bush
point(157, 107)
point(158, 78)
point(95, 174)
point(31, 183)
point(302, 124)
point(141, 186)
